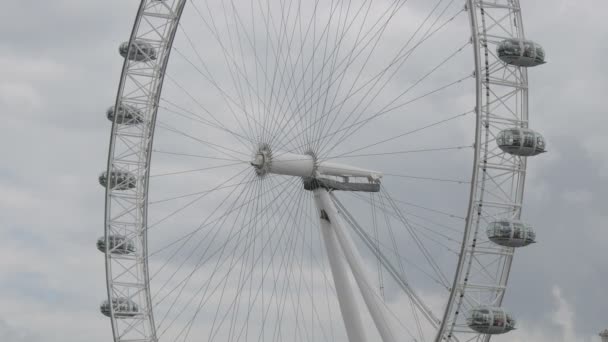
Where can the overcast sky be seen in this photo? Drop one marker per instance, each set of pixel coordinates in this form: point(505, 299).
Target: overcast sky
point(59, 71)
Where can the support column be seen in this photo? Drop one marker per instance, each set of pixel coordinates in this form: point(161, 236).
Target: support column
point(344, 288)
point(355, 261)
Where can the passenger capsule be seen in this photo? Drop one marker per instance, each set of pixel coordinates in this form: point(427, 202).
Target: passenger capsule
point(119, 180)
point(492, 321)
point(118, 245)
point(127, 115)
point(123, 308)
point(523, 53)
point(511, 233)
point(141, 51)
point(522, 142)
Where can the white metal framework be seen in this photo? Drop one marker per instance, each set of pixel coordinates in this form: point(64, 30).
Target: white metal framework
point(276, 252)
point(502, 102)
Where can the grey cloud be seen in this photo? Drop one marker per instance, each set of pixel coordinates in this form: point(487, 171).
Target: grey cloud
point(60, 70)
point(11, 333)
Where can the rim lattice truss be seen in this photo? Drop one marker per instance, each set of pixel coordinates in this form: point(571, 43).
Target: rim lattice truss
point(301, 170)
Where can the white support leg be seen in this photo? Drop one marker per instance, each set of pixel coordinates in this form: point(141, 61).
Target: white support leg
point(355, 261)
point(344, 288)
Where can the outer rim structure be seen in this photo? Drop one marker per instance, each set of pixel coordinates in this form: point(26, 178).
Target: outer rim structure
point(490, 23)
point(131, 148)
point(140, 86)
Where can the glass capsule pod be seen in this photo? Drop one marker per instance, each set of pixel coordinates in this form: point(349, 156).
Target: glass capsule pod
point(127, 115)
point(511, 233)
point(522, 53)
point(141, 51)
point(522, 142)
point(118, 245)
point(123, 308)
point(489, 320)
point(119, 180)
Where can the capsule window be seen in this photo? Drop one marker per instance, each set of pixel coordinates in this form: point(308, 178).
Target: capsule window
point(529, 139)
point(500, 139)
point(499, 319)
point(515, 138)
point(510, 322)
point(490, 321)
point(540, 54)
point(540, 142)
point(517, 233)
point(522, 53)
point(528, 50)
point(511, 233)
point(521, 141)
point(505, 230)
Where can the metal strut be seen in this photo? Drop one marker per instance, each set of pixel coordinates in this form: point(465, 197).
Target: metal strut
point(341, 248)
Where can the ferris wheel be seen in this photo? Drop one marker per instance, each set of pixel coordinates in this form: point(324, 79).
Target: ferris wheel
point(342, 170)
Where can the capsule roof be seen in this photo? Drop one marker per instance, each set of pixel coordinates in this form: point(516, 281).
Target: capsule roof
point(522, 142)
point(511, 233)
point(523, 53)
point(141, 51)
point(490, 320)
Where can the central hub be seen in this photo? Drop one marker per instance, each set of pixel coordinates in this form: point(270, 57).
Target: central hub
point(283, 163)
point(262, 160)
point(315, 172)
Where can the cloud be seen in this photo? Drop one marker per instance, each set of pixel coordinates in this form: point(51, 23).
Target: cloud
point(59, 73)
point(562, 318)
point(11, 333)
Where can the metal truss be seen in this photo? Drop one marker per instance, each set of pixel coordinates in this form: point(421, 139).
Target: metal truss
point(497, 184)
point(130, 149)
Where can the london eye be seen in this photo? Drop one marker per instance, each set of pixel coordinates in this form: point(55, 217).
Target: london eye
point(342, 170)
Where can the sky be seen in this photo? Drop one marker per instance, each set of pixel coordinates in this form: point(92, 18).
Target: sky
point(59, 70)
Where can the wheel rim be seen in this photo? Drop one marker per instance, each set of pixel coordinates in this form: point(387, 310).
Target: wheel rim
point(132, 149)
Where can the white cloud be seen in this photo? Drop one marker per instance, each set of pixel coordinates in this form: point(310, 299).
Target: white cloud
point(20, 96)
point(59, 75)
point(562, 319)
point(579, 197)
point(9, 332)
